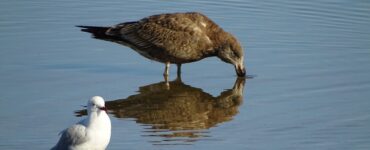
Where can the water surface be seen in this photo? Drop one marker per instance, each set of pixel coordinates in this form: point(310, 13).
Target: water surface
point(310, 62)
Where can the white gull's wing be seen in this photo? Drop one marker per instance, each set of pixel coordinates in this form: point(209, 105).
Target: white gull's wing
point(74, 135)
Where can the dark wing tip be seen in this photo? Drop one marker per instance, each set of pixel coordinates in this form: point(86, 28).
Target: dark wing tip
point(96, 31)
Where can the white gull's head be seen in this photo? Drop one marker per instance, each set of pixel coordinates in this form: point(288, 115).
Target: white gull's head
point(96, 104)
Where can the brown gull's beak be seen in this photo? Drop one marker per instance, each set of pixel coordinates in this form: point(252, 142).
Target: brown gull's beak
point(240, 70)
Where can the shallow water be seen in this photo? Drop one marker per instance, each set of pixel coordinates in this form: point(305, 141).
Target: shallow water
point(310, 62)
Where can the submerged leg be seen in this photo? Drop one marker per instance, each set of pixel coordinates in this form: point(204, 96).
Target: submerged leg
point(178, 70)
point(166, 80)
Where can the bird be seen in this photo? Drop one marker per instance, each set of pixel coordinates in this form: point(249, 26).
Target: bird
point(91, 133)
point(175, 38)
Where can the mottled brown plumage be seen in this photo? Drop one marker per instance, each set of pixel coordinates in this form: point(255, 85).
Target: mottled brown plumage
point(175, 38)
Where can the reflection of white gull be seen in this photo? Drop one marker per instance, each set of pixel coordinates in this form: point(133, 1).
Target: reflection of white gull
point(91, 133)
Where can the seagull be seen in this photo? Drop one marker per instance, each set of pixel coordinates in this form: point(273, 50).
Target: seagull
point(91, 133)
point(175, 38)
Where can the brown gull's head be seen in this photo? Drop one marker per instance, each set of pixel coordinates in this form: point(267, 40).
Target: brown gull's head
point(231, 52)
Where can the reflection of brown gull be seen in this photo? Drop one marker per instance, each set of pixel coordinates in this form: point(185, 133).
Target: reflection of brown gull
point(179, 108)
point(180, 111)
point(175, 38)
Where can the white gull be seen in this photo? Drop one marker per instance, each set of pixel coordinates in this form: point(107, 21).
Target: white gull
point(91, 133)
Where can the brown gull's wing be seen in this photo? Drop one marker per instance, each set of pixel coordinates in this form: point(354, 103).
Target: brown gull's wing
point(180, 35)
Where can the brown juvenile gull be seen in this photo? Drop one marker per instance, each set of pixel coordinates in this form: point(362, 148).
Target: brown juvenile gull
point(175, 38)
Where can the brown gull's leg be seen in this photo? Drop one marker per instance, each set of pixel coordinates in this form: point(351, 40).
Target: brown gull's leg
point(166, 72)
point(166, 69)
point(178, 70)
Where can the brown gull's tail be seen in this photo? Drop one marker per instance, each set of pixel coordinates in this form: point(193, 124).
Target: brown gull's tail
point(98, 32)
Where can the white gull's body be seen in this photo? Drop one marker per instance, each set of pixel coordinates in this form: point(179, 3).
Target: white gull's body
point(91, 133)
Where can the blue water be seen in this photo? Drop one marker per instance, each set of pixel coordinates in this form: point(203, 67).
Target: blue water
point(310, 61)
